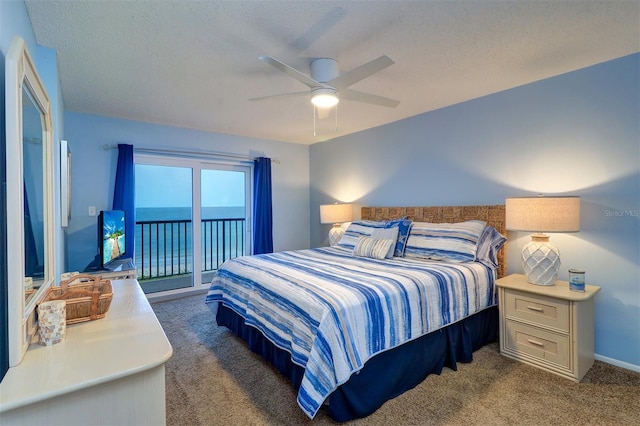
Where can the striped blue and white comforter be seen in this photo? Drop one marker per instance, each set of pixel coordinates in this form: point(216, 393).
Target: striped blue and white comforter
point(333, 311)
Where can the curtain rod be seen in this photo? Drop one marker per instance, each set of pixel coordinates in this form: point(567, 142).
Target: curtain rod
point(195, 153)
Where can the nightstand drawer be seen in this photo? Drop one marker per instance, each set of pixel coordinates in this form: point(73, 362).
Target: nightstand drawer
point(537, 309)
point(542, 344)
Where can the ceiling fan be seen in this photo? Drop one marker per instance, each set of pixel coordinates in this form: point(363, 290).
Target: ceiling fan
point(328, 86)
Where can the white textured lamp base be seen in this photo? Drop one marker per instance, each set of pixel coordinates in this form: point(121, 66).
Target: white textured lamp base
point(335, 234)
point(541, 260)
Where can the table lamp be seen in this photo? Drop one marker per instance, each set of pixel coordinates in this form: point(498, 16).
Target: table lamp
point(336, 214)
point(541, 258)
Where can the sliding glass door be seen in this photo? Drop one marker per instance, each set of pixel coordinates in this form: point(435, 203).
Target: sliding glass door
point(174, 194)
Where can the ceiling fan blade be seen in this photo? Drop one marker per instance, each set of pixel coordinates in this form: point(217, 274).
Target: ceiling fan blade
point(368, 98)
point(292, 72)
point(281, 95)
point(363, 71)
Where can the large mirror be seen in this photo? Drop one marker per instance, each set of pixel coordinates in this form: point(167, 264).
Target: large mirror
point(30, 230)
point(32, 170)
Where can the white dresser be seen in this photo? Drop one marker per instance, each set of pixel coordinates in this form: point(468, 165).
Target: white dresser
point(106, 372)
point(550, 327)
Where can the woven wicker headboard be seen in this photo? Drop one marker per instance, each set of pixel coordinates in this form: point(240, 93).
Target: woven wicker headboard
point(493, 215)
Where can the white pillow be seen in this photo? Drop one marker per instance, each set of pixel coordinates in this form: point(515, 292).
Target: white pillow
point(370, 247)
point(387, 234)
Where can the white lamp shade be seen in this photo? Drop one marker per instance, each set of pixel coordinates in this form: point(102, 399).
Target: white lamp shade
point(543, 214)
point(336, 213)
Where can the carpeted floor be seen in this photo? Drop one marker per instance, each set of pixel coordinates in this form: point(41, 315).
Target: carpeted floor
point(213, 379)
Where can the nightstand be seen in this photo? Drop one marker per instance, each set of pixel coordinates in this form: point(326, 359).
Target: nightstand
point(550, 327)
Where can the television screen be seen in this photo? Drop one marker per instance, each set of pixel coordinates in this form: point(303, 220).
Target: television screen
point(112, 231)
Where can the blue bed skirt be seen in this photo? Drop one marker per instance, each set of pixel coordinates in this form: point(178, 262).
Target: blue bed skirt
point(386, 375)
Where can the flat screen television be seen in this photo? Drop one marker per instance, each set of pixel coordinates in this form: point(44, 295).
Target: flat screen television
point(111, 229)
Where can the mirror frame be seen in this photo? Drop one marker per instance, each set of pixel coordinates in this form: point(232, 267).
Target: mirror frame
point(20, 71)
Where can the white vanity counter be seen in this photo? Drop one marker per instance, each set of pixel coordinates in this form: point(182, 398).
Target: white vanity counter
point(107, 371)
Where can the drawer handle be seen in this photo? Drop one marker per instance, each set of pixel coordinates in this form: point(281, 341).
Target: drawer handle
point(535, 342)
point(535, 308)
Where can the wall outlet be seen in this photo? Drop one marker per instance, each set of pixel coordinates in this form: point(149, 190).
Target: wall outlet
point(92, 210)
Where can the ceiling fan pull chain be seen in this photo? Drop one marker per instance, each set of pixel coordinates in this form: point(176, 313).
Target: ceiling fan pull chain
point(314, 120)
point(336, 117)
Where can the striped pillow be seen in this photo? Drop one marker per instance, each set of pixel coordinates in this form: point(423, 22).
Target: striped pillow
point(373, 248)
point(491, 241)
point(451, 242)
point(357, 229)
point(403, 225)
point(387, 234)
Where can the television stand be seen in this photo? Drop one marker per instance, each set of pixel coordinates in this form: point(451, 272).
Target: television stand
point(120, 269)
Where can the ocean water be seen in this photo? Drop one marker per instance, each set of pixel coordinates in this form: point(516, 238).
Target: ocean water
point(166, 250)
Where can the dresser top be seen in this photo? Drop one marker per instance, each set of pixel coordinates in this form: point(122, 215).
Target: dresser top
point(559, 291)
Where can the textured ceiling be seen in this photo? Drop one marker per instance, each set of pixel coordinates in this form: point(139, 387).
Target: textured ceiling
point(195, 64)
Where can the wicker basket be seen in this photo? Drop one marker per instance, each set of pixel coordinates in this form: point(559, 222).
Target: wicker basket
point(88, 297)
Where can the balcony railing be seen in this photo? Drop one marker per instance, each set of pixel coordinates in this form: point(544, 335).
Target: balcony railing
point(164, 247)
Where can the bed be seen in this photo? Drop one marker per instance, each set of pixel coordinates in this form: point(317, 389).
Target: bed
point(354, 325)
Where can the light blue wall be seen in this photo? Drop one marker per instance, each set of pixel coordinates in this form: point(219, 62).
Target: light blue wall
point(14, 20)
point(93, 175)
point(572, 134)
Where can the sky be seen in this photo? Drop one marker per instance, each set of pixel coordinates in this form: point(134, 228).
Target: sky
point(168, 186)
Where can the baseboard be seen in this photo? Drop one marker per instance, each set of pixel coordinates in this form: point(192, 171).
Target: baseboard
point(618, 363)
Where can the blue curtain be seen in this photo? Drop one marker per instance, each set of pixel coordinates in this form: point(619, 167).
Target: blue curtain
point(262, 219)
point(123, 196)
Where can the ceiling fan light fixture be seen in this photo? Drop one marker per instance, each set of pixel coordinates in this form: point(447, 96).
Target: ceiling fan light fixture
point(324, 98)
